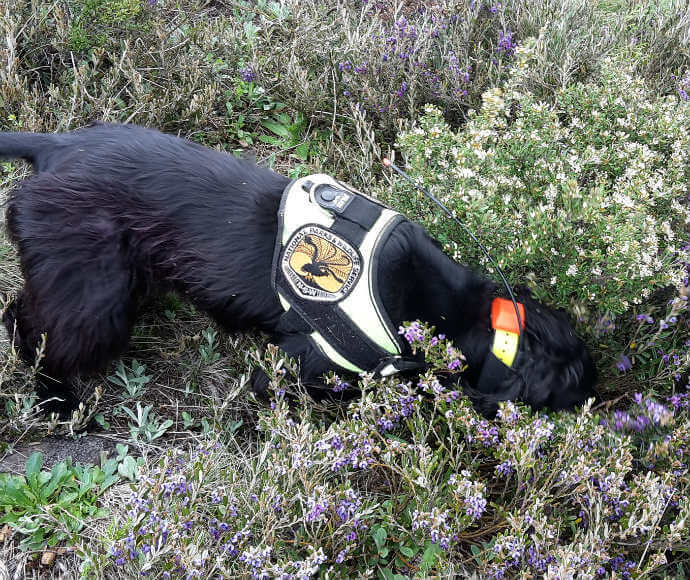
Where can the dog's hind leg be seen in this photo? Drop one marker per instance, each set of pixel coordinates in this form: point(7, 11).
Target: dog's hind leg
point(80, 291)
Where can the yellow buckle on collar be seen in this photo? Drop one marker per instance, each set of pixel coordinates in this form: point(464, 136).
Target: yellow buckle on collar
point(504, 321)
point(505, 346)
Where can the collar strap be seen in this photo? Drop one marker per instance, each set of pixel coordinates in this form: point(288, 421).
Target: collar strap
point(504, 321)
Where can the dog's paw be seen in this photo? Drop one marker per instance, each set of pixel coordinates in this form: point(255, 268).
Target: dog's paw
point(57, 397)
point(259, 383)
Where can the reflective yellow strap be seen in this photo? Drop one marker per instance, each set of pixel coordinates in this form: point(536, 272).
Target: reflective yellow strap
point(333, 354)
point(505, 346)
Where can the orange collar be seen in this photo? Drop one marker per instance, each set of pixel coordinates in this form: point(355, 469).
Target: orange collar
point(504, 321)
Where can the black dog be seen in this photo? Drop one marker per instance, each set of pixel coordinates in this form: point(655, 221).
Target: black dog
point(114, 212)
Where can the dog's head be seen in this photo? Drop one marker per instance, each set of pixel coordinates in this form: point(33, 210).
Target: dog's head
point(553, 368)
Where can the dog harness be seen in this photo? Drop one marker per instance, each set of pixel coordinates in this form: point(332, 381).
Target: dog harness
point(324, 272)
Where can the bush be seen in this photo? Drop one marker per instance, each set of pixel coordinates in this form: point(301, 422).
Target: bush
point(176, 68)
point(391, 58)
point(414, 483)
point(388, 60)
point(586, 198)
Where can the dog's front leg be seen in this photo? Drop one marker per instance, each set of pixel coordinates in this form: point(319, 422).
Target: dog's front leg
point(313, 365)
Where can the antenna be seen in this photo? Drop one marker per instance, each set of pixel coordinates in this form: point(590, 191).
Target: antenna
point(388, 163)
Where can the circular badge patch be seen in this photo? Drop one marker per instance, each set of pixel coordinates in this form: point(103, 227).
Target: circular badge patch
point(319, 265)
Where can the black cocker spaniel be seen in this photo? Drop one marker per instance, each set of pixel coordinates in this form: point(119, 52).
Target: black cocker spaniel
point(115, 212)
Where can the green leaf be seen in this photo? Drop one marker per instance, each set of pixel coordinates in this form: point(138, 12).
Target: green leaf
point(102, 421)
point(14, 494)
point(128, 468)
point(408, 552)
point(67, 498)
point(58, 476)
point(33, 468)
point(110, 466)
point(284, 118)
point(380, 535)
point(302, 151)
point(276, 127)
point(430, 556)
point(271, 140)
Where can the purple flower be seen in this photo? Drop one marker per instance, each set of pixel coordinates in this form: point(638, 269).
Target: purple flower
point(475, 506)
point(454, 365)
point(505, 468)
point(413, 333)
point(248, 74)
point(624, 364)
point(506, 44)
point(317, 509)
point(340, 385)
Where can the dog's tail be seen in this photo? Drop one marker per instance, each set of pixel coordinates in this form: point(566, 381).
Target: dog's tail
point(24, 145)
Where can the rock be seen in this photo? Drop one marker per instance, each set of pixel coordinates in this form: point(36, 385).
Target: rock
point(86, 449)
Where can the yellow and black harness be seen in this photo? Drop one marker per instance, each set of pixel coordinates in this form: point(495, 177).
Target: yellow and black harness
point(325, 267)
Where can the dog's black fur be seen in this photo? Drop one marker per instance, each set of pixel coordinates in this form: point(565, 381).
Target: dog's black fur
point(115, 212)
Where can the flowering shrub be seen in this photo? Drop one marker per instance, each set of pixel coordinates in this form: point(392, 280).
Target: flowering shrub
point(660, 349)
point(431, 489)
point(587, 198)
point(389, 59)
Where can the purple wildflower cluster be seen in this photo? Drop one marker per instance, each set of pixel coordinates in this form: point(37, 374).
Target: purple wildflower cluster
point(649, 413)
point(413, 332)
point(348, 505)
point(344, 449)
point(407, 52)
point(532, 435)
point(248, 74)
point(317, 506)
point(174, 489)
point(505, 468)
point(618, 567)
point(437, 349)
point(506, 43)
point(510, 550)
point(613, 492)
point(483, 432)
point(514, 554)
point(256, 558)
point(399, 404)
point(605, 324)
point(436, 524)
point(470, 493)
point(680, 400)
point(339, 385)
point(299, 569)
point(508, 413)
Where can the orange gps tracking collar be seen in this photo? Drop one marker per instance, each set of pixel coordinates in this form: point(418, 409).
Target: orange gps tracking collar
point(503, 316)
point(504, 321)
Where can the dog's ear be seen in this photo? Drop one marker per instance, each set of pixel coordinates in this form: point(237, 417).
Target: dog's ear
point(557, 369)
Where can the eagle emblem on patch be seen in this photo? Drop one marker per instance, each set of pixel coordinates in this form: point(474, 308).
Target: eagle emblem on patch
point(320, 265)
